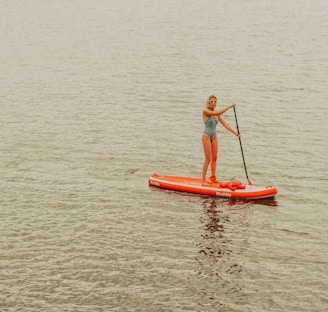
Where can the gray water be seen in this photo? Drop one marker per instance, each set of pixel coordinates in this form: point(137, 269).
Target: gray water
point(97, 95)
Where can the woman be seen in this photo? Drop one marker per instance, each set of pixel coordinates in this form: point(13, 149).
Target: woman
point(209, 137)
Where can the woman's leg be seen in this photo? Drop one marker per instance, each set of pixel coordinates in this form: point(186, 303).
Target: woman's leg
point(207, 153)
point(214, 155)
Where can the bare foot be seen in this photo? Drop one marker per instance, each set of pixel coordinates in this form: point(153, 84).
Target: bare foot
point(205, 183)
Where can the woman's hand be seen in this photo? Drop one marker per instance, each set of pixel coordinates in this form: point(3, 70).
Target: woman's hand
point(233, 105)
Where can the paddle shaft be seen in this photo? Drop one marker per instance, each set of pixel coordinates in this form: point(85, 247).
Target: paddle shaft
point(241, 147)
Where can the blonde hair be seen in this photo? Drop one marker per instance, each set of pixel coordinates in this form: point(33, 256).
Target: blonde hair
point(208, 100)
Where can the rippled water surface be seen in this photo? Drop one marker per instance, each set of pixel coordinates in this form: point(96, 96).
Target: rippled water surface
point(97, 95)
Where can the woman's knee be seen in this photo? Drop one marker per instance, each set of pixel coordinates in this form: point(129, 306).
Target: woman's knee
point(207, 160)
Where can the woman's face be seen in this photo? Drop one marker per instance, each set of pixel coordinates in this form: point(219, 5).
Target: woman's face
point(212, 103)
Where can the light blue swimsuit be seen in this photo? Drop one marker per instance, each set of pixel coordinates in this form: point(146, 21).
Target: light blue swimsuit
point(210, 127)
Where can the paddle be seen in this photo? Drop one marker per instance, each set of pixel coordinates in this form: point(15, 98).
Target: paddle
point(241, 147)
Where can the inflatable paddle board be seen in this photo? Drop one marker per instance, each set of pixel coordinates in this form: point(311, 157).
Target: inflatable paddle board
point(234, 189)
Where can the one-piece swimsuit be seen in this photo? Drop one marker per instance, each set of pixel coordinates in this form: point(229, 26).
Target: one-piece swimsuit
point(210, 127)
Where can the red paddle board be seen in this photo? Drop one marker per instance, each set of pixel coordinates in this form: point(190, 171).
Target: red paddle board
point(233, 189)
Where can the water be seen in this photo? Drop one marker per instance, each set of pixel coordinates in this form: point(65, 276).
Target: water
point(96, 96)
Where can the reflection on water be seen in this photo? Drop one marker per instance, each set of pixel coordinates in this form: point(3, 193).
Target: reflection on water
point(225, 227)
point(263, 202)
point(217, 225)
point(223, 238)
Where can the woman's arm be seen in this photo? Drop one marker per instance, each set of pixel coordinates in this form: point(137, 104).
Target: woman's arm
point(221, 111)
point(209, 112)
point(228, 127)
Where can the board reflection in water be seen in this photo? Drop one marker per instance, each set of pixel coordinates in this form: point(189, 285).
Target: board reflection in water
point(224, 227)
